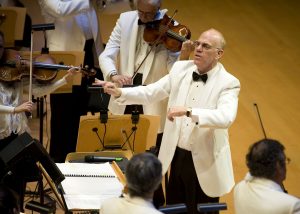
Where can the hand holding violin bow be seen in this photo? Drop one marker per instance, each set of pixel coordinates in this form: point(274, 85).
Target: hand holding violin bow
point(24, 107)
point(121, 80)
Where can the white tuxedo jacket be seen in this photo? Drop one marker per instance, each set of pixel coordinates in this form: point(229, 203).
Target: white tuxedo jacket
point(75, 22)
point(127, 205)
point(263, 196)
point(119, 55)
point(216, 111)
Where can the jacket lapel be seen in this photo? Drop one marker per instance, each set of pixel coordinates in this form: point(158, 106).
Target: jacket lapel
point(148, 63)
point(210, 84)
point(132, 47)
point(184, 87)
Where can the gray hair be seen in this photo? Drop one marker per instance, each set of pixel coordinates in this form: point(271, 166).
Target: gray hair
point(143, 174)
point(152, 2)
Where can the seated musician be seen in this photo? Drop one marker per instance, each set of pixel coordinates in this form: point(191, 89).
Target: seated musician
point(143, 175)
point(13, 120)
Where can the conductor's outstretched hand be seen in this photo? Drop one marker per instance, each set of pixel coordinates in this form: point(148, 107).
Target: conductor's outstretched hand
point(112, 89)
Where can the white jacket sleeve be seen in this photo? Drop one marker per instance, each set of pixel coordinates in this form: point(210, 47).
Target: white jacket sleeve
point(108, 58)
point(59, 8)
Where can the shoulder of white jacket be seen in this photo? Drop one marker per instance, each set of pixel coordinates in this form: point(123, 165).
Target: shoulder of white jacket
point(132, 13)
point(184, 63)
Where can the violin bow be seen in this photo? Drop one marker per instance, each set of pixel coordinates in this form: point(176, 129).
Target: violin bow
point(30, 72)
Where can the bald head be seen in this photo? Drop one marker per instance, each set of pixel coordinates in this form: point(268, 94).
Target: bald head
point(208, 50)
point(216, 36)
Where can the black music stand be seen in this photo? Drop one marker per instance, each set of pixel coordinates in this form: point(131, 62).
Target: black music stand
point(23, 148)
point(98, 102)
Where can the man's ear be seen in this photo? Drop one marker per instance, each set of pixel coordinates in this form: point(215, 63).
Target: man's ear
point(280, 173)
point(219, 54)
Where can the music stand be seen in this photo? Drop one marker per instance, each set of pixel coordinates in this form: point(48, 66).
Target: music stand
point(98, 102)
point(118, 129)
point(24, 146)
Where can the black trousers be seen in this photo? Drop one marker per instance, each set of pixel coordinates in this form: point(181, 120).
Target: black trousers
point(183, 186)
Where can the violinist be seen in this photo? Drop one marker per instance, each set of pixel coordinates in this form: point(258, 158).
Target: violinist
point(128, 59)
point(13, 105)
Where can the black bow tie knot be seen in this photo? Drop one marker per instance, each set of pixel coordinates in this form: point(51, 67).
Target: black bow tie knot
point(199, 77)
point(140, 22)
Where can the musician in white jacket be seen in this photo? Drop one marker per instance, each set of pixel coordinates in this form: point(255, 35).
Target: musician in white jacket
point(126, 49)
point(143, 175)
point(75, 22)
point(262, 189)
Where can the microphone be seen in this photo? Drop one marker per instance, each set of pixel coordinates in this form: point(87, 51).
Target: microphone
point(92, 158)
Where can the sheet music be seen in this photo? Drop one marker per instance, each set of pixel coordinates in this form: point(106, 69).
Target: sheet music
point(87, 185)
point(86, 169)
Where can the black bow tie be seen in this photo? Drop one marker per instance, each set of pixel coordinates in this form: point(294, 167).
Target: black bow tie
point(198, 77)
point(141, 23)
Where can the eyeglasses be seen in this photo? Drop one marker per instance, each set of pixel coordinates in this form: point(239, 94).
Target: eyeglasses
point(287, 160)
point(151, 13)
point(205, 46)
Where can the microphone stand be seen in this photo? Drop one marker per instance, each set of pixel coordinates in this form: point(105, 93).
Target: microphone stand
point(260, 121)
point(264, 132)
point(135, 116)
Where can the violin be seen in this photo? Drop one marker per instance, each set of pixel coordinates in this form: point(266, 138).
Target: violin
point(14, 68)
point(166, 32)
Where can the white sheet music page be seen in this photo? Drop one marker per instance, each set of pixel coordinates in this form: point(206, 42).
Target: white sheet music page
point(87, 185)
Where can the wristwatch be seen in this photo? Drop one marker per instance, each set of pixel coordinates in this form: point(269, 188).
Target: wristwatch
point(188, 112)
point(113, 73)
